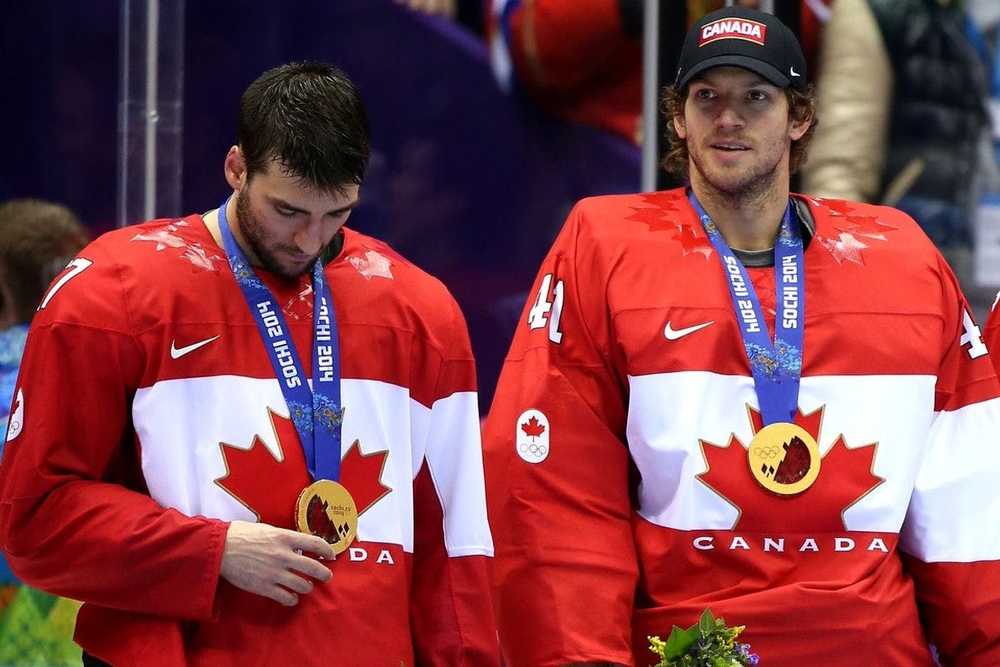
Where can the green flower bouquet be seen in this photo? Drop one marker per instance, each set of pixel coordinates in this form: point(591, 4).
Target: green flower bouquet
point(707, 643)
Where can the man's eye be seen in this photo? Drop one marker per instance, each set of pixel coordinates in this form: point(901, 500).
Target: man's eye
point(704, 94)
point(284, 212)
point(757, 95)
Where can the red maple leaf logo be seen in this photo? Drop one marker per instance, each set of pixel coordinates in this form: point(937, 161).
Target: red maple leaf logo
point(269, 485)
point(658, 218)
point(362, 475)
point(692, 241)
point(837, 206)
point(653, 218)
point(867, 226)
point(855, 231)
point(656, 215)
point(845, 477)
point(533, 428)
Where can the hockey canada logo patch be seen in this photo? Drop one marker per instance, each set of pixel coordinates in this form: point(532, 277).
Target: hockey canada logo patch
point(532, 440)
point(751, 31)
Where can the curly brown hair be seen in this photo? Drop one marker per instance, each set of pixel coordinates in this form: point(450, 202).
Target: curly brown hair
point(801, 105)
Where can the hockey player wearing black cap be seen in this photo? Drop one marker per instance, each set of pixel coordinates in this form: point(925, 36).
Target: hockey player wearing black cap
point(730, 397)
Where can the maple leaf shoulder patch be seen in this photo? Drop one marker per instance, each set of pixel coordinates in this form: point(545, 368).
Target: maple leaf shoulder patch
point(532, 436)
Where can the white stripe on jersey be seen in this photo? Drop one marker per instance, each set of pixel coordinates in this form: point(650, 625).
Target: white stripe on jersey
point(458, 474)
point(670, 412)
point(181, 457)
point(953, 511)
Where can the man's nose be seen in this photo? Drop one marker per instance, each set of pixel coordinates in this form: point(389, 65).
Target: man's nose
point(309, 237)
point(729, 117)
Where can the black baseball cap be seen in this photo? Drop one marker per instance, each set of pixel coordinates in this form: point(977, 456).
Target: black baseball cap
point(744, 38)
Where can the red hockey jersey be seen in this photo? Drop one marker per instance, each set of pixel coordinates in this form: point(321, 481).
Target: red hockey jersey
point(620, 494)
point(147, 417)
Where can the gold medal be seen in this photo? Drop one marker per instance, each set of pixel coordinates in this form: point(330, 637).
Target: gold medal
point(784, 458)
point(326, 509)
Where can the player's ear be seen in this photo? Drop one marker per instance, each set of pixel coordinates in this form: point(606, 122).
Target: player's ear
point(235, 168)
point(801, 118)
point(679, 126)
point(798, 128)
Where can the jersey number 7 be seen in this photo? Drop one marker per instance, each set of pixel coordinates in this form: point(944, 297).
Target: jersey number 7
point(72, 270)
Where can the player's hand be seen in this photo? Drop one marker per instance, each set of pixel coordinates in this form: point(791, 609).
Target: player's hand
point(269, 561)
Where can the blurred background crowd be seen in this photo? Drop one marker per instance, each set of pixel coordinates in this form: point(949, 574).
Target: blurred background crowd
point(490, 118)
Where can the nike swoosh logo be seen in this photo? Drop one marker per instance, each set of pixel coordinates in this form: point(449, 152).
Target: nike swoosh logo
point(675, 334)
point(793, 72)
point(178, 352)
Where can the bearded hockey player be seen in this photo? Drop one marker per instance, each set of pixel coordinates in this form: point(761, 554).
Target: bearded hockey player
point(250, 437)
point(728, 397)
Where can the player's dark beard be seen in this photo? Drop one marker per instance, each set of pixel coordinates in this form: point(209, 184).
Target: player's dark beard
point(255, 236)
point(753, 188)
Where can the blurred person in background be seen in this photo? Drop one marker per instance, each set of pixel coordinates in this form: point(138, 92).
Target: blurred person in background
point(468, 13)
point(169, 465)
point(581, 60)
point(37, 240)
point(731, 397)
point(902, 92)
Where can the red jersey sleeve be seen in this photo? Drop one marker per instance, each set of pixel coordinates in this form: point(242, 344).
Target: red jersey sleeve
point(951, 536)
point(74, 518)
point(450, 608)
point(558, 472)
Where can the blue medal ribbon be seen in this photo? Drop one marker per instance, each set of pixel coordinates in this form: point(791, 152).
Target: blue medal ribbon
point(316, 413)
point(776, 366)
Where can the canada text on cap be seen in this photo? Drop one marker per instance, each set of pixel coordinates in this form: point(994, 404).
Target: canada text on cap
point(743, 38)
